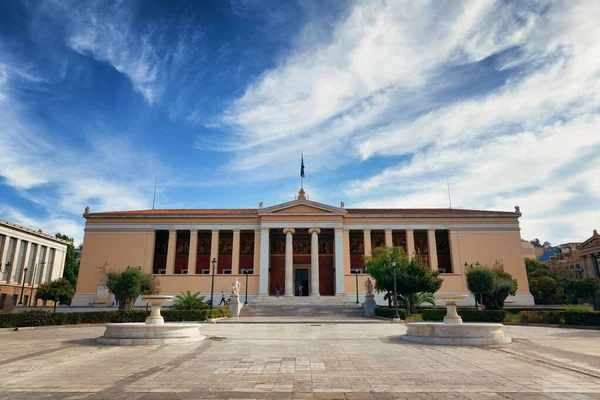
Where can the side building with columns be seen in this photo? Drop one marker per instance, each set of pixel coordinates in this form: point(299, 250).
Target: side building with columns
point(302, 247)
point(27, 258)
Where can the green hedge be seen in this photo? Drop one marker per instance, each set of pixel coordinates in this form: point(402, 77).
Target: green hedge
point(438, 314)
point(590, 318)
point(44, 318)
point(387, 312)
point(542, 317)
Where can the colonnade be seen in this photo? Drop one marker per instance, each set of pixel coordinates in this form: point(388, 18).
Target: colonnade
point(38, 258)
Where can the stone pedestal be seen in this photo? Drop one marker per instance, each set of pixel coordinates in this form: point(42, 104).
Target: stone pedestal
point(452, 316)
point(369, 305)
point(235, 306)
point(156, 302)
point(102, 297)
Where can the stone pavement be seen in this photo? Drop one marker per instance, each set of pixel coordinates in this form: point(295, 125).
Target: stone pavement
point(299, 361)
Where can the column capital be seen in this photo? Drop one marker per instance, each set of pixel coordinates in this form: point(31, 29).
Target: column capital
point(289, 230)
point(314, 230)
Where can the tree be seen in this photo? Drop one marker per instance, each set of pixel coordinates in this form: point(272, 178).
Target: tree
point(129, 284)
point(546, 290)
point(491, 286)
point(412, 276)
point(536, 242)
point(587, 287)
point(480, 280)
point(71, 271)
point(59, 291)
point(188, 301)
point(533, 265)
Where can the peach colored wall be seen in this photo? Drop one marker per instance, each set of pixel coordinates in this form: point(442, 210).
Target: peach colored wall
point(201, 283)
point(487, 246)
point(350, 283)
point(118, 250)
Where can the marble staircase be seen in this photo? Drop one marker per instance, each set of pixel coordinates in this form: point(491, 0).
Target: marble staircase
point(302, 307)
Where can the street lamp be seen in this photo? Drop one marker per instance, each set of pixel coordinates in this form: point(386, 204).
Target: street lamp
point(356, 273)
point(212, 288)
point(246, 300)
point(33, 281)
point(396, 316)
point(23, 286)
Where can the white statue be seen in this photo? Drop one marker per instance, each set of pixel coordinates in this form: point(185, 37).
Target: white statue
point(235, 289)
point(369, 286)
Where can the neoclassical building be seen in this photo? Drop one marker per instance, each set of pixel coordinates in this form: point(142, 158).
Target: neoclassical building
point(589, 252)
point(28, 257)
point(302, 247)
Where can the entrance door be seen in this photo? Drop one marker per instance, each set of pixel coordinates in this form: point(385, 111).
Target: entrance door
point(301, 281)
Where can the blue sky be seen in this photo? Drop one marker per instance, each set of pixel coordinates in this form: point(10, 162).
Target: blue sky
point(386, 99)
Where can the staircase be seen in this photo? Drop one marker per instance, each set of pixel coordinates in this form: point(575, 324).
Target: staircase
point(302, 307)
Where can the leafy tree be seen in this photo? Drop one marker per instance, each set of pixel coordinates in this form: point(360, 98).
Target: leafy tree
point(129, 284)
point(412, 276)
point(546, 290)
point(71, 271)
point(59, 291)
point(587, 287)
point(534, 265)
point(536, 242)
point(188, 301)
point(491, 286)
point(480, 280)
point(415, 300)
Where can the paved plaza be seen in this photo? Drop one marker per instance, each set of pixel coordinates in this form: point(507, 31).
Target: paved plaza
point(299, 361)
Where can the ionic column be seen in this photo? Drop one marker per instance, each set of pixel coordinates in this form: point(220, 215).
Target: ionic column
point(367, 241)
point(314, 261)
point(214, 249)
point(388, 238)
point(171, 252)
point(289, 261)
point(235, 253)
point(12, 276)
point(193, 256)
point(3, 257)
point(410, 243)
point(263, 278)
point(338, 248)
point(432, 250)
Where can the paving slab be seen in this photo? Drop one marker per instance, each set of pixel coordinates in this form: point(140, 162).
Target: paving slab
point(296, 360)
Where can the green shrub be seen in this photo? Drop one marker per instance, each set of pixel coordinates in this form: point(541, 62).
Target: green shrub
point(387, 312)
point(542, 317)
point(438, 314)
point(590, 318)
point(577, 309)
point(37, 318)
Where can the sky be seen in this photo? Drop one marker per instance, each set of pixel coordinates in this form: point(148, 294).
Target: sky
point(391, 103)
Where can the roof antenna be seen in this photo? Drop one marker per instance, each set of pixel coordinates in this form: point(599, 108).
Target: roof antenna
point(448, 184)
point(154, 196)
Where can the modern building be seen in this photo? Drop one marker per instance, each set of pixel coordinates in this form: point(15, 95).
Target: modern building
point(27, 258)
point(298, 244)
point(589, 251)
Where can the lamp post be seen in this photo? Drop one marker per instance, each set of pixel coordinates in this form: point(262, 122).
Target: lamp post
point(33, 281)
point(212, 287)
point(23, 286)
point(396, 315)
point(246, 299)
point(356, 274)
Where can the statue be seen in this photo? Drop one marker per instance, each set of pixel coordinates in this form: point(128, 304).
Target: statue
point(87, 210)
point(235, 289)
point(260, 205)
point(518, 210)
point(369, 286)
point(342, 205)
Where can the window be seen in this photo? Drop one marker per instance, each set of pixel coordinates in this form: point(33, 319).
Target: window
point(357, 271)
point(184, 272)
point(248, 271)
point(227, 271)
point(442, 270)
point(206, 272)
point(162, 271)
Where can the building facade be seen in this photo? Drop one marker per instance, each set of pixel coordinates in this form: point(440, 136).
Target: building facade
point(589, 253)
point(303, 247)
point(27, 259)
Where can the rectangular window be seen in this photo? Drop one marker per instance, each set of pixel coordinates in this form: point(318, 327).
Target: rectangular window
point(206, 272)
point(442, 244)
point(162, 271)
point(227, 271)
point(161, 245)
point(184, 272)
point(357, 271)
point(249, 271)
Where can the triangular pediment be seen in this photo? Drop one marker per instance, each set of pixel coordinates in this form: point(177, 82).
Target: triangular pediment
point(302, 207)
point(593, 242)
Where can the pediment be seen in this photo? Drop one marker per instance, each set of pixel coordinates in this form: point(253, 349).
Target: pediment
point(302, 207)
point(593, 242)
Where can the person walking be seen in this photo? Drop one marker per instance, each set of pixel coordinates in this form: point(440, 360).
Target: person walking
point(222, 298)
point(277, 289)
point(300, 290)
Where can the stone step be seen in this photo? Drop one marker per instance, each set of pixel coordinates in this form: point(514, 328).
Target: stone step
point(301, 310)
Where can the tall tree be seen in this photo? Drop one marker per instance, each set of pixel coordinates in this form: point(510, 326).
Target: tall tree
point(71, 271)
point(129, 284)
point(59, 291)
